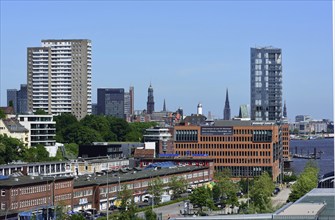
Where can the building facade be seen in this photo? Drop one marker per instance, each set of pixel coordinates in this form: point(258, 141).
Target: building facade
point(111, 102)
point(28, 196)
point(12, 128)
point(246, 148)
point(42, 129)
point(33, 194)
point(19, 99)
point(59, 77)
point(162, 138)
point(129, 103)
point(266, 84)
point(12, 98)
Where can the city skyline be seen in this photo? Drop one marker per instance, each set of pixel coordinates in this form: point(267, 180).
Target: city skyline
point(190, 52)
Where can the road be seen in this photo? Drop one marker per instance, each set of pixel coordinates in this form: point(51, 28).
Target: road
point(281, 198)
point(172, 210)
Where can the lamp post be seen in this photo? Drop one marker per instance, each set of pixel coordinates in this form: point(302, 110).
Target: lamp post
point(107, 208)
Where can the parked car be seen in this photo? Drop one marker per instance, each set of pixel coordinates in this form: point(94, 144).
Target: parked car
point(276, 191)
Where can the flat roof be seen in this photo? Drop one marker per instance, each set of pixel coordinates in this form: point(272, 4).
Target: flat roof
point(243, 123)
point(28, 180)
point(307, 209)
point(113, 177)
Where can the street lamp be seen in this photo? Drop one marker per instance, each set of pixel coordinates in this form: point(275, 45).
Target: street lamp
point(107, 208)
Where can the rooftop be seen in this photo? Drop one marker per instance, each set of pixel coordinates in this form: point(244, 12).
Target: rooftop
point(310, 209)
point(130, 175)
point(13, 125)
point(28, 180)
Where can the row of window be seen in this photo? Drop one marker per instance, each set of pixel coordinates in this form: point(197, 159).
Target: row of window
point(223, 146)
point(82, 193)
point(228, 153)
point(245, 161)
point(34, 189)
point(63, 197)
point(245, 171)
point(31, 202)
point(63, 185)
point(225, 139)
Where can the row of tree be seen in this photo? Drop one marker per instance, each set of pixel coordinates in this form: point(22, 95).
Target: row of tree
point(98, 128)
point(12, 149)
point(224, 193)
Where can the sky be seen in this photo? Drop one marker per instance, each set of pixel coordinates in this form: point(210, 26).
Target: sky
point(190, 51)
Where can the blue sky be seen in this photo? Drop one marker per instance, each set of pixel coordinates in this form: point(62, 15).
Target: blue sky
point(190, 51)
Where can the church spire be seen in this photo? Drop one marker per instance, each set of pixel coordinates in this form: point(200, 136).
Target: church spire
point(284, 110)
point(150, 102)
point(226, 111)
point(164, 106)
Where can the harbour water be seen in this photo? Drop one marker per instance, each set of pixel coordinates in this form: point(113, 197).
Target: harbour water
point(325, 163)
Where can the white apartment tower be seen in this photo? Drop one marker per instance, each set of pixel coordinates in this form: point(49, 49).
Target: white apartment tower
point(59, 77)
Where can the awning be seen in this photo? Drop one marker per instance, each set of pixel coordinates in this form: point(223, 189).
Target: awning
point(25, 214)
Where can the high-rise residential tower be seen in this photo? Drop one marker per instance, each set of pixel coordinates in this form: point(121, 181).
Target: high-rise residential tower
point(266, 84)
point(150, 102)
point(59, 77)
point(129, 102)
point(226, 111)
point(111, 102)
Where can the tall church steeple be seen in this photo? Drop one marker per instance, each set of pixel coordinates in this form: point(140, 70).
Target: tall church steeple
point(284, 110)
point(150, 102)
point(164, 106)
point(226, 111)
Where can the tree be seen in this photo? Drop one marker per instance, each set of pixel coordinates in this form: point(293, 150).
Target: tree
point(155, 188)
point(79, 134)
point(119, 126)
point(150, 215)
point(306, 181)
point(137, 129)
point(77, 217)
point(260, 193)
point(71, 150)
point(128, 206)
point(10, 149)
point(2, 114)
point(225, 190)
point(36, 154)
point(202, 197)
point(40, 112)
point(178, 186)
point(101, 125)
point(11, 103)
point(64, 121)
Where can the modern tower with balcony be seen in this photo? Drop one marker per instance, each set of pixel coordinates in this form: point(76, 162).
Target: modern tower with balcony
point(266, 84)
point(59, 77)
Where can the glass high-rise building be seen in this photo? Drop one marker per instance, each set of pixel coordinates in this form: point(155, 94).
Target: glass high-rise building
point(12, 98)
point(266, 84)
point(111, 102)
point(59, 77)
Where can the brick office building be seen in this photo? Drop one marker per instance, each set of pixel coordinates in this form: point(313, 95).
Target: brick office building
point(246, 148)
point(33, 195)
point(28, 196)
point(92, 192)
